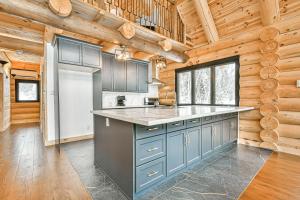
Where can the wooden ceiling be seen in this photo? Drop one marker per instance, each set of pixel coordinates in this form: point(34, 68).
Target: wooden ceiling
point(230, 16)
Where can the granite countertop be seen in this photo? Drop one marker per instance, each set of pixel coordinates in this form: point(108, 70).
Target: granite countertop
point(161, 115)
point(124, 107)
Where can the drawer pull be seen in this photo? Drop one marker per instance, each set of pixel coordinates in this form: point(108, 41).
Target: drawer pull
point(152, 129)
point(176, 124)
point(152, 173)
point(153, 149)
point(193, 121)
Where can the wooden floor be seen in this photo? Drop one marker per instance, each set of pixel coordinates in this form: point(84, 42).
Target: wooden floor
point(279, 179)
point(28, 170)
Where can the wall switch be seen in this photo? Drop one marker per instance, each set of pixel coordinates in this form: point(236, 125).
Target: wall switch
point(107, 121)
point(298, 83)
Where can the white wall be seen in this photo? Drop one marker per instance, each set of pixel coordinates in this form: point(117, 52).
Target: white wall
point(109, 99)
point(76, 102)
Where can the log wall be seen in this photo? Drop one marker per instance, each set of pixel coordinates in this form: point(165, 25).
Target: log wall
point(23, 112)
point(280, 128)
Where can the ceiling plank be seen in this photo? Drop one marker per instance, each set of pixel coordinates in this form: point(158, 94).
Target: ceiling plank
point(79, 25)
point(207, 20)
point(270, 11)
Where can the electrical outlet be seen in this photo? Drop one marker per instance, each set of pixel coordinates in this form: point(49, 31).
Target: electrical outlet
point(298, 83)
point(107, 121)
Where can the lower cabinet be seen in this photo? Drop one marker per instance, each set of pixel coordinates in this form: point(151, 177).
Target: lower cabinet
point(226, 131)
point(193, 145)
point(233, 127)
point(176, 157)
point(206, 143)
point(217, 135)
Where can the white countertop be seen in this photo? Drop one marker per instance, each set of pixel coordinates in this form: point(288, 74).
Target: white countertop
point(161, 115)
point(124, 107)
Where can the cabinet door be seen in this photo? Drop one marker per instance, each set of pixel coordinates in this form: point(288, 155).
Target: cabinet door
point(143, 77)
point(226, 131)
point(69, 51)
point(107, 72)
point(176, 155)
point(217, 135)
point(132, 76)
point(206, 143)
point(119, 69)
point(193, 147)
point(233, 129)
point(91, 56)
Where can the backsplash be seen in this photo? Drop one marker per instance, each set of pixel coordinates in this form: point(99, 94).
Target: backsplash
point(109, 99)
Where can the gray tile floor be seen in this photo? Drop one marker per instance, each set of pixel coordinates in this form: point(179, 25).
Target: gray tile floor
point(223, 176)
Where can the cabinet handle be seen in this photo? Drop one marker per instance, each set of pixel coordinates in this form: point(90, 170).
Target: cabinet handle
point(176, 124)
point(152, 173)
point(152, 129)
point(153, 149)
point(193, 121)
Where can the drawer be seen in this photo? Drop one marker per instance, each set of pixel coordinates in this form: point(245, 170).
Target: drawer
point(193, 122)
point(175, 126)
point(208, 119)
point(150, 173)
point(217, 117)
point(149, 131)
point(229, 115)
point(149, 149)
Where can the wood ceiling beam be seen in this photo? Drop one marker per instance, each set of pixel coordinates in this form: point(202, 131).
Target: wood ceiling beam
point(77, 24)
point(207, 20)
point(269, 11)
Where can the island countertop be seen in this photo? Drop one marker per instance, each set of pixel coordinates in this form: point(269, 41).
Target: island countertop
point(161, 115)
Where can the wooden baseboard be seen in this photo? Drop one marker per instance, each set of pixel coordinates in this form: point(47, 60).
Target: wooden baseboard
point(70, 139)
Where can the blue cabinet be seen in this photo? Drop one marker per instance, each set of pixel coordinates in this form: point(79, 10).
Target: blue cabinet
point(142, 77)
point(226, 131)
point(91, 56)
point(131, 76)
point(207, 138)
point(233, 129)
point(119, 74)
point(217, 135)
point(107, 72)
point(193, 145)
point(176, 152)
point(69, 51)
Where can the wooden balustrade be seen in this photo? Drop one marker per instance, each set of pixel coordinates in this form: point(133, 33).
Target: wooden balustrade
point(160, 16)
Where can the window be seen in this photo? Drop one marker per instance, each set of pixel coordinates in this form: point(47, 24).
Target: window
point(213, 83)
point(27, 91)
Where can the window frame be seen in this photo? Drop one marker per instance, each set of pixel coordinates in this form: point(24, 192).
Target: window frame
point(18, 81)
point(212, 65)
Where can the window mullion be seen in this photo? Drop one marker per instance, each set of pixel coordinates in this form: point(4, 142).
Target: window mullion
point(213, 82)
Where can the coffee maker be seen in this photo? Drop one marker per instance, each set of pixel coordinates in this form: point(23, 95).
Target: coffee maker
point(121, 100)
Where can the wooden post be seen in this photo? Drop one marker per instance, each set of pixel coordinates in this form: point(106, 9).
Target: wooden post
point(269, 11)
point(127, 30)
point(166, 44)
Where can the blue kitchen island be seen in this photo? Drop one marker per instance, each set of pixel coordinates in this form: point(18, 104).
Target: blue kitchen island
point(141, 147)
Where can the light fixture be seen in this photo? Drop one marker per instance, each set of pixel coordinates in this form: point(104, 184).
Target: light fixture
point(161, 62)
point(122, 53)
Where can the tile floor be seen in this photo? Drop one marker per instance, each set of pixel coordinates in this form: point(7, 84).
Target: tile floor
point(221, 177)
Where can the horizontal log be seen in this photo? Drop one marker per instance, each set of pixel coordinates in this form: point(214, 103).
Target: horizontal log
point(24, 121)
point(42, 14)
point(250, 126)
point(269, 72)
point(289, 64)
point(249, 142)
point(289, 104)
point(269, 97)
point(269, 59)
point(268, 109)
point(289, 131)
point(289, 51)
point(289, 38)
point(269, 33)
point(270, 46)
point(288, 117)
point(250, 58)
point(250, 115)
point(289, 77)
point(269, 84)
point(250, 92)
point(250, 102)
point(288, 91)
point(250, 136)
point(250, 70)
point(269, 122)
point(250, 81)
point(289, 142)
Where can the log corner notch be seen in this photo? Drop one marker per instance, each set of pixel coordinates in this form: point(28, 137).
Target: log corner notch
point(62, 8)
point(127, 30)
point(269, 11)
point(166, 44)
point(207, 20)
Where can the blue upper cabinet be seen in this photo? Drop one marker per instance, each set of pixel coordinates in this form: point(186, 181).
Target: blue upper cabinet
point(143, 77)
point(107, 72)
point(91, 56)
point(176, 152)
point(119, 74)
point(69, 51)
point(131, 76)
point(193, 145)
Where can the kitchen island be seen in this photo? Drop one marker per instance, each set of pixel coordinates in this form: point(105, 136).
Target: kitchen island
point(141, 147)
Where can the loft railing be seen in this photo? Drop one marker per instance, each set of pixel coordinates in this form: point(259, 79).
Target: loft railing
point(160, 16)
